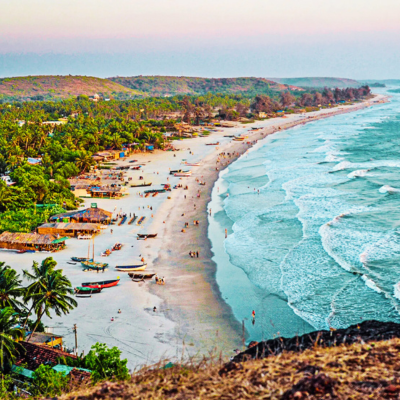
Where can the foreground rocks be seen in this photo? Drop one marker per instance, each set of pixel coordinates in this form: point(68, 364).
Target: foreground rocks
point(361, 333)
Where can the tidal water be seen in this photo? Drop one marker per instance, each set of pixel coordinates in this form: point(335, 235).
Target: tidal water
point(313, 215)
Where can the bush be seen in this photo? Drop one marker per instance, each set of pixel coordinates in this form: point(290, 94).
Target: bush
point(47, 382)
point(105, 363)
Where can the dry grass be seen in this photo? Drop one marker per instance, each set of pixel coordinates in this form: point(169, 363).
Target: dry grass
point(369, 371)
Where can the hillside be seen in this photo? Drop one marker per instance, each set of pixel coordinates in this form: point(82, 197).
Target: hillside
point(60, 87)
point(173, 85)
point(357, 372)
point(319, 82)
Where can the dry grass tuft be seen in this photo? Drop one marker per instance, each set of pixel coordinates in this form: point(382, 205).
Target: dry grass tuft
point(369, 371)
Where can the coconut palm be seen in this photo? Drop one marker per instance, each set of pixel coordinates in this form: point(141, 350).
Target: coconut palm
point(53, 295)
point(10, 288)
point(9, 348)
point(38, 274)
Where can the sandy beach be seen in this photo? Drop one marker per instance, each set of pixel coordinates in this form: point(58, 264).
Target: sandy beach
point(191, 317)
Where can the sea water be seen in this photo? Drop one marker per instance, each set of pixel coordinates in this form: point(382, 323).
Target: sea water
point(313, 220)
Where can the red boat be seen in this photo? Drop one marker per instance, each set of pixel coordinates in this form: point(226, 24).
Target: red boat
point(102, 284)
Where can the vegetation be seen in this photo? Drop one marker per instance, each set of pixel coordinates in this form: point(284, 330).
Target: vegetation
point(40, 155)
point(319, 82)
point(47, 382)
point(173, 85)
point(358, 372)
point(103, 362)
point(60, 87)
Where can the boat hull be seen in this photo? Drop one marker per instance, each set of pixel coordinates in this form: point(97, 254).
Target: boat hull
point(93, 265)
point(131, 268)
point(102, 284)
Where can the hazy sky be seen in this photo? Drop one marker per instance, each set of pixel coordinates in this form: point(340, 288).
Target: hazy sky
point(216, 38)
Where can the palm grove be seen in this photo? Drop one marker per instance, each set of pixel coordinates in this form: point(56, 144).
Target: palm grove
point(66, 150)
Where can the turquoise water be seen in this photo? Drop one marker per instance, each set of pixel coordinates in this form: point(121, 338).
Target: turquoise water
point(313, 215)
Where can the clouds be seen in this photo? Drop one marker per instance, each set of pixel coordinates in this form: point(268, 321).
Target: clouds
point(260, 37)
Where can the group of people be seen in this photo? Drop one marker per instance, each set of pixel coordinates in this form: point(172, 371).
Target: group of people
point(194, 254)
point(160, 281)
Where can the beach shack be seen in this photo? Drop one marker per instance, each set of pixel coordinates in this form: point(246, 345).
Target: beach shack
point(106, 192)
point(92, 215)
point(33, 355)
point(31, 241)
point(70, 229)
point(44, 338)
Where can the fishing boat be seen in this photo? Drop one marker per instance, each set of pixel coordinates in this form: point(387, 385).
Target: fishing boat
point(131, 268)
point(141, 276)
point(141, 184)
point(101, 284)
point(136, 168)
point(124, 218)
point(132, 220)
point(141, 220)
point(79, 259)
point(87, 290)
point(106, 253)
point(212, 144)
point(117, 246)
point(238, 139)
point(146, 236)
point(156, 191)
point(91, 264)
point(183, 174)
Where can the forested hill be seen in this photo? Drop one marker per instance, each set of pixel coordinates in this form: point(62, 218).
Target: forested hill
point(174, 85)
point(60, 87)
point(319, 82)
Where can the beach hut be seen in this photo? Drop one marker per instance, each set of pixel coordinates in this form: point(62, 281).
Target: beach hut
point(91, 215)
point(31, 241)
point(71, 229)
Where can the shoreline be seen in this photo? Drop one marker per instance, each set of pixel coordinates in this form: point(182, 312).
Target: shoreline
point(228, 330)
point(192, 318)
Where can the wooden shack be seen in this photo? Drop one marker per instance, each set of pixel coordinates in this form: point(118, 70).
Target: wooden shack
point(92, 215)
point(31, 241)
point(71, 229)
point(106, 193)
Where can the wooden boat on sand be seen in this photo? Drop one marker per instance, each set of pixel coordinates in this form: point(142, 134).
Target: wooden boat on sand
point(87, 290)
point(146, 236)
point(132, 220)
point(131, 268)
point(102, 284)
point(141, 184)
point(183, 174)
point(141, 220)
point(117, 246)
point(141, 276)
point(193, 164)
point(79, 259)
point(212, 144)
point(124, 218)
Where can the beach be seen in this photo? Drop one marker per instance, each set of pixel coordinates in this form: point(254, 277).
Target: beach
point(191, 317)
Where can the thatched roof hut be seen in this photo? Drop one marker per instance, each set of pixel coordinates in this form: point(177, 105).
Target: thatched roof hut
point(31, 241)
point(92, 215)
point(71, 229)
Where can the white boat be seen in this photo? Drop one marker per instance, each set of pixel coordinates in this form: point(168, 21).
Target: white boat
point(193, 164)
point(184, 174)
point(131, 268)
point(84, 237)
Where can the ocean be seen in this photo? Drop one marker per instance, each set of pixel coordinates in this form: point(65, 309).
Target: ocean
point(313, 220)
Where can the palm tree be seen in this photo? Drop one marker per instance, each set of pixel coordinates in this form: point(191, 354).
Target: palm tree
point(39, 272)
point(84, 161)
point(53, 295)
point(9, 348)
point(10, 288)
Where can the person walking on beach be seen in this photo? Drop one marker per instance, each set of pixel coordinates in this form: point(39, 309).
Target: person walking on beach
point(197, 254)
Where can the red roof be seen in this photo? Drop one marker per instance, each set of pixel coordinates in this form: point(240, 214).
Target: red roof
point(35, 355)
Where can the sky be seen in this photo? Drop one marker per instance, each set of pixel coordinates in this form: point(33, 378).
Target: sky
point(357, 39)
